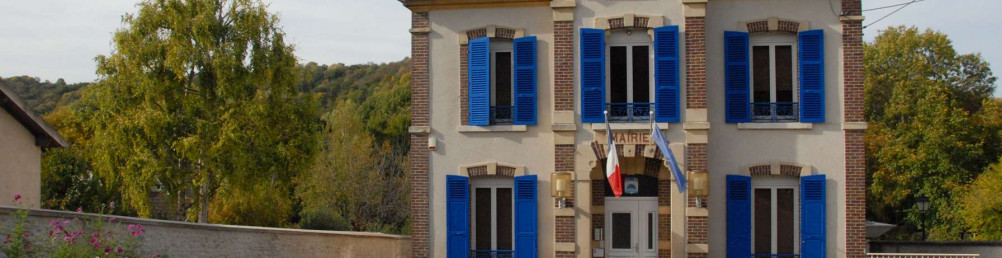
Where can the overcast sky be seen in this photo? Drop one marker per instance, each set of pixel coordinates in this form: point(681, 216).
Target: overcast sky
point(54, 39)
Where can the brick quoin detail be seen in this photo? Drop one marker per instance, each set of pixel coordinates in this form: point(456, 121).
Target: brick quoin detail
point(855, 153)
point(563, 65)
point(598, 192)
point(696, 230)
point(855, 194)
point(418, 154)
point(695, 62)
point(563, 254)
point(852, 70)
point(564, 229)
point(695, 157)
point(852, 7)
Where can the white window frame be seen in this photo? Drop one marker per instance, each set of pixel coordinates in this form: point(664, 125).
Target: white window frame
point(493, 183)
point(773, 39)
point(773, 183)
point(496, 47)
point(629, 40)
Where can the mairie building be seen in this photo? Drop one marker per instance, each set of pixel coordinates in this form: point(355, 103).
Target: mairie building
point(761, 102)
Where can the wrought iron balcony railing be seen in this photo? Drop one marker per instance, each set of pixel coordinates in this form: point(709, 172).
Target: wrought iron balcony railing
point(492, 253)
point(629, 112)
point(501, 115)
point(775, 112)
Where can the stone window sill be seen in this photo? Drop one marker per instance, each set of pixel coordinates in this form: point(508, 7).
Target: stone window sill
point(627, 126)
point(775, 126)
point(491, 128)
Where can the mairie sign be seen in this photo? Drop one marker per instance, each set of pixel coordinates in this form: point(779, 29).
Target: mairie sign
point(629, 137)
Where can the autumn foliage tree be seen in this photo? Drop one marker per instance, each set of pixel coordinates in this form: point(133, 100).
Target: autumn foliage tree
point(198, 95)
point(930, 129)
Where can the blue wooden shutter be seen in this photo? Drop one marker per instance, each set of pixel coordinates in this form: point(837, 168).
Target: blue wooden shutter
point(480, 81)
point(526, 219)
point(457, 216)
point(811, 53)
point(738, 216)
point(666, 87)
point(812, 216)
point(736, 77)
point(525, 81)
point(592, 75)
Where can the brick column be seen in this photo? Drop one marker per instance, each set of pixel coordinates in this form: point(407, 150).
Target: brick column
point(420, 127)
point(854, 125)
point(565, 220)
point(695, 62)
point(563, 65)
point(696, 127)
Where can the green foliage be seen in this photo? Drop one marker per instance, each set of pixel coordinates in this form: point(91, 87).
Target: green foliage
point(266, 205)
point(931, 131)
point(345, 190)
point(207, 106)
point(197, 94)
point(981, 207)
point(43, 96)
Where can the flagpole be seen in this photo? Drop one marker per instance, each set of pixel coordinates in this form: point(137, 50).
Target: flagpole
point(685, 203)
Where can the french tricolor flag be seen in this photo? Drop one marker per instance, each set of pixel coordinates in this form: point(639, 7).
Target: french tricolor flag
point(612, 165)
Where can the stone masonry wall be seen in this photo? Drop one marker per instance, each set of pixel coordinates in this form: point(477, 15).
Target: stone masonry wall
point(181, 239)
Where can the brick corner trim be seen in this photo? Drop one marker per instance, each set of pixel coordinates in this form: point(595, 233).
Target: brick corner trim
point(418, 155)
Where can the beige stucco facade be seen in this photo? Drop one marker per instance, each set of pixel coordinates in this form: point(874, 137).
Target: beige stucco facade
point(731, 148)
point(20, 163)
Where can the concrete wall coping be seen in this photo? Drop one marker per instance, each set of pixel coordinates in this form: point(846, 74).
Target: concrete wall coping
point(179, 224)
point(950, 243)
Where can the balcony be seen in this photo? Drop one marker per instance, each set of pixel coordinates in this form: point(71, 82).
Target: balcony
point(766, 112)
point(501, 115)
point(629, 112)
point(492, 253)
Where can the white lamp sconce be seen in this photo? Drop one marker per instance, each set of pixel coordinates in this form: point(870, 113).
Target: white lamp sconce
point(699, 185)
point(561, 187)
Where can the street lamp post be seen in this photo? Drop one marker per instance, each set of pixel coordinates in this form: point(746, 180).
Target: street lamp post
point(923, 205)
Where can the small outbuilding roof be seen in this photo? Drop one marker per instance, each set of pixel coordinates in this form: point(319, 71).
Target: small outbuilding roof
point(45, 135)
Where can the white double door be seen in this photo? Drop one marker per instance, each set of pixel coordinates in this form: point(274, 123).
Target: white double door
point(631, 227)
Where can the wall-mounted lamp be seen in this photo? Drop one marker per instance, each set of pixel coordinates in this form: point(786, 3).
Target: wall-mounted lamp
point(560, 187)
point(699, 185)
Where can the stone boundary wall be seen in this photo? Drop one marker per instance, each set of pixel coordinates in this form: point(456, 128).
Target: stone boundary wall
point(182, 239)
point(985, 248)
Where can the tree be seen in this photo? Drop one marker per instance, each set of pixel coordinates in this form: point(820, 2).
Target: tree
point(981, 207)
point(345, 190)
point(195, 95)
point(931, 129)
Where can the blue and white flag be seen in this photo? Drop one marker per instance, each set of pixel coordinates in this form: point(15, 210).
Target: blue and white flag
point(662, 143)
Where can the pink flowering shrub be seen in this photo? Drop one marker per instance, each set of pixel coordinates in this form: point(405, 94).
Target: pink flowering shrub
point(73, 237)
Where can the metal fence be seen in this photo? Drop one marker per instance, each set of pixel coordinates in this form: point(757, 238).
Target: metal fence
point(912, 255)
point(629, 112)
point(775, 112)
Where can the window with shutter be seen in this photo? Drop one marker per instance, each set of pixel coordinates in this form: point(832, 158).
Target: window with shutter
point(812, 216)
point(525, 106)
point(736, 77)
point(738, 219)
point(479, 81)
point(812, 76)
point(592, 75)
point(526, 217)
point(457, 216)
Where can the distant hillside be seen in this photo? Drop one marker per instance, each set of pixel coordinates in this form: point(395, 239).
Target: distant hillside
point(44, 96)
point(330, 82)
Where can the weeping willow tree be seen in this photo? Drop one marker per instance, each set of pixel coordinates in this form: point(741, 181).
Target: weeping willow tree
point(198, 96)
